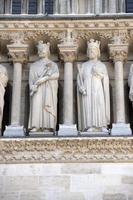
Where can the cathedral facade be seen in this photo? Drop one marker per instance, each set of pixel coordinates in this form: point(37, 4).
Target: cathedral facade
point(66, 92)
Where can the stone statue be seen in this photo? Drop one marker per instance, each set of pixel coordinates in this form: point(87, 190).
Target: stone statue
point(130, 83)
point(43, 82)
point(3, 84)
point(93, 92)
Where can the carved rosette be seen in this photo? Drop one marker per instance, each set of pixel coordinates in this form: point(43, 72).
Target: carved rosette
point(118, 52)
point(68, 53)
point(18, 52)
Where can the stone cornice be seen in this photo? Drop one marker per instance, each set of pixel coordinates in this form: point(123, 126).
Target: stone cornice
point(55, 28)
point(80, 149)
point(61, 24)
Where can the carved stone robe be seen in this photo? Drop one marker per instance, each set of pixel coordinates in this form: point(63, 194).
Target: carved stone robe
point(3, 83)
point(43, 102)
point(130, 83)
point(94, 106)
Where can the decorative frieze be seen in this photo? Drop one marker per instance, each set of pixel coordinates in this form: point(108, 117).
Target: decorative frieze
point(34, 30)
point(87, 24)
point(80, 149)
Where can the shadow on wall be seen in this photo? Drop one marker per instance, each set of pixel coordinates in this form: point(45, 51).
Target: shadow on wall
point(7, 107)
point(128, 106)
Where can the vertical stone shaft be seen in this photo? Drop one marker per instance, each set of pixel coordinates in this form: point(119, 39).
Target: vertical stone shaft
point(16, 95)
point(105, 6)
point(122, 6)
point(68, 94)
point(98, 6)
point(24, 7)
point(119, 88)
point(40, 7)
point(56, 7)
point(75, 6)
point(2, 7)
point(89, 7)
point(18, 53)
point(112, 6)
point(8, 7)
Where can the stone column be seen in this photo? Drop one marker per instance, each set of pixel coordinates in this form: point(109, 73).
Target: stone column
point(75, 6)
point(2, 7)
point(68, 51)
point(24, 7)
point(56, 7)
point(98, 6)
point(89, 8)
point(40, 7)
point(118, 53)
point(8, 7)
point(105, 6)
point(18, 53)
point(122, 6)
point(112, 6)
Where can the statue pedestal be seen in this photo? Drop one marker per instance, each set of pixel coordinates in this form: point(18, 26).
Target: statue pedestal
point(121, 129)
point(41, 134)
point(67, 130)
point(14, 131)
point(94, 134)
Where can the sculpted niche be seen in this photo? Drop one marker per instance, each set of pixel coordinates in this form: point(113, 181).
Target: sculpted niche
point(43, 82)
point(93, 92)
point(3, 84)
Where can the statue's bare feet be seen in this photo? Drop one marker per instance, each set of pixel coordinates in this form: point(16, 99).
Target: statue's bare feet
point(104, 129)
point(33, 130)
point(90, 129)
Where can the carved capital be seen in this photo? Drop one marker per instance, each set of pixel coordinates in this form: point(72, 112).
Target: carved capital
point(68, 56)
point(68, 53)
point(18, 52)
point(118, 52)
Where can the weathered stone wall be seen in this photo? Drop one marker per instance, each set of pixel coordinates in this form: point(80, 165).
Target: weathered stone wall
point(74, 181)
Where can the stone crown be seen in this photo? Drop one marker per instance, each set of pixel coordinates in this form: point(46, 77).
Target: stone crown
point(93, 43)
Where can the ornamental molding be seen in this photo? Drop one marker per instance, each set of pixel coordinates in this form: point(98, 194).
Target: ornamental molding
point(56, 29)
point(32, 35)
point(61, 24)
point(54, 150)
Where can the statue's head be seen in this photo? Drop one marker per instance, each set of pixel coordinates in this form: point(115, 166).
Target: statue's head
point(93, 49)
point(43, 49)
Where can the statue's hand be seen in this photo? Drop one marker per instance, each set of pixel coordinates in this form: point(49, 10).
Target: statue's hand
point(41, 80)
point(82, 90)
point(96, 73)
point(131, 97)
point(33, 89)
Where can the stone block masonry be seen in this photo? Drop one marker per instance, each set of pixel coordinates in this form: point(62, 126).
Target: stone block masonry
point(66, 181)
